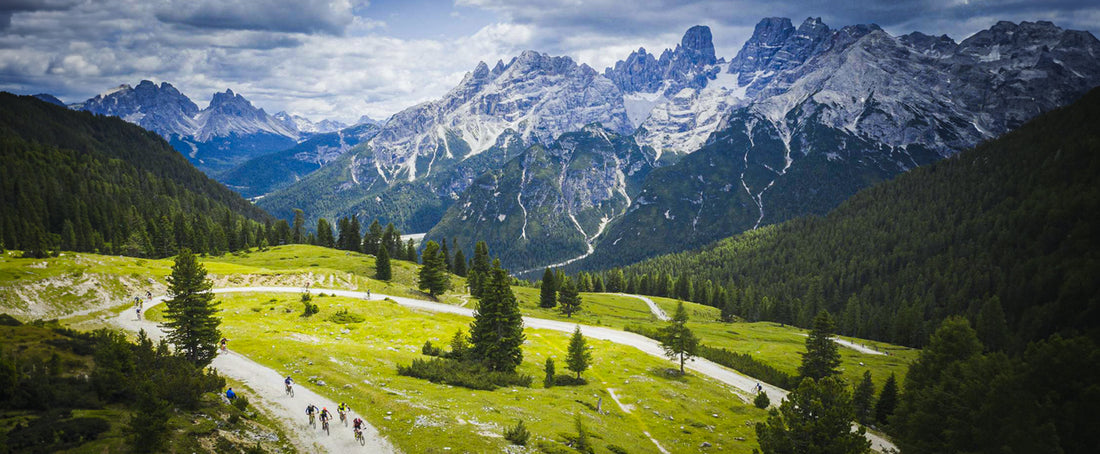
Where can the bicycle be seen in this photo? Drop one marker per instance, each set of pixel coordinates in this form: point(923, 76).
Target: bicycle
point(290, 390)
point(344, 418)
point(324, 426)
point(312, 420)
point(359, 437)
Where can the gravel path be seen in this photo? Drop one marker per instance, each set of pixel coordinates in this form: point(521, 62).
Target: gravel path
point(744, 383)
point(268, 391)
point(851, 345)
point(656, 310)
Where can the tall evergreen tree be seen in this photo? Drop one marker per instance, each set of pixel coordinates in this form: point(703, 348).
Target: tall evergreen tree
point(991, 325)
point(299, 232)
point(863, 399)
point(815, 418)
point(382, 269)
point(677, 339)
point(579, 356)
point(433, 272)
point(324, 234)
point(496, 334)
point(391, 239)
point(548, 291)
point(887, 401)
point(460, 263)
point(446, 255)
point(569, 297)
point(189, 310)
point(479, 266)
point(822, 357)
point(410, 251)
point(373, 239)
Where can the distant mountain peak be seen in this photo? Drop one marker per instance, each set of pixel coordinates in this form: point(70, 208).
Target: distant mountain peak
point(698, 46)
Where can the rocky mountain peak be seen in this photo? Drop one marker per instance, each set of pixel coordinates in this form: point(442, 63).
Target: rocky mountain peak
point(697, 46)
point(767, 38)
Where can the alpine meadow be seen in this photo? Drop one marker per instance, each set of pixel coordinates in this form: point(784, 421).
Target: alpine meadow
point(507, 226)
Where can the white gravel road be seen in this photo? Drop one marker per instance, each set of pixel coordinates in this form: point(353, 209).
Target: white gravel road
point(296, 416)
point(656, 310)
point(267, 384)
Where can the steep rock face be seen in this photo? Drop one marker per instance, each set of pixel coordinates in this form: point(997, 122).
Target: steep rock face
point(161, 109)
point(549, 204)
point(836, 112)
point(305, 126)
point(536, 95)
point(230, 113)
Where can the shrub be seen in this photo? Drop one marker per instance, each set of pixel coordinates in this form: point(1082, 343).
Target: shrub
point(462, 373)
point(569, 380)
point(518, 435)
point(241, 403)
point(343, 317)
point(430, 350)
point(310, 309)
point(761, 401)
point(548, 382)
point(748, 365)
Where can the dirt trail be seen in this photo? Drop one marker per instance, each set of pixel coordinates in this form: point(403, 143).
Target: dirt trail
point(656, 310)
point(267, 384)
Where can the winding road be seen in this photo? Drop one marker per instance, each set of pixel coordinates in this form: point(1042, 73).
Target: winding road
point(259, 377)
point(656, 310)
point(268, 387)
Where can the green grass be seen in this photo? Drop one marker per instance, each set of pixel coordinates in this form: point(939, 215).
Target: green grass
point(359, 365)
point(295, 264)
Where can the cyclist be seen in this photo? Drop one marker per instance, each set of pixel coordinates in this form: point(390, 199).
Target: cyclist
point(357, 424)
point(325, 415)
point(229, 394)
point(311, 410)
point(225, 342)
point(343, 410)
point(288, 382)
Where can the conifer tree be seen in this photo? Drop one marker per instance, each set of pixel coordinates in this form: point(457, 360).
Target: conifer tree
point(548, 369)
point(676, 338)
point(579, 356)
point(324, 234)
point(863, 399)
point(460, 263)
point(433, 272)
point(410, 251)
point(373, 239)
point(189, 311)
point(548, 291)
point(822, 357)
point(496, 334)
point(446, 256)
point(299, 232)
point(382, 269)
point(887, 400)
point(480, 266)
point(569, 298)
point(814, 418)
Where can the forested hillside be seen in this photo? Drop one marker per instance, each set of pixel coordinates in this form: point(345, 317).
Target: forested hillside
point(1005, 233)
point(76, 181)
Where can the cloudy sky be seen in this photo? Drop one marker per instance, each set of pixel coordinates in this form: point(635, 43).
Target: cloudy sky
point(344, 58)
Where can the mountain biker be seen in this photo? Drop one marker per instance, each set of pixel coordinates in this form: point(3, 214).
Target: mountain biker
point(229, 394)
point(310, 410)
point(357, 424)
point(224, 343)
point(325, 415)
point(343, 409)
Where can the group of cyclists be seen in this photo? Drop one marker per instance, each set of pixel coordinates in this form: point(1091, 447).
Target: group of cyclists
point(138, 303)
point(313, 413)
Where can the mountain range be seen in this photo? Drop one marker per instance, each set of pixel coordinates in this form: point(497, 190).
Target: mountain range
point(685, 147)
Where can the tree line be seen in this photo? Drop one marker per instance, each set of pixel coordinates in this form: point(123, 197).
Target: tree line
point(1002, 234)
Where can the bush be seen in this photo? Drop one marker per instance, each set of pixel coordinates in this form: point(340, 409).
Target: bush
point(761, 401)
point(462, 373)
point(518, 435)
point(343, 317)
point(430, 350)
point(241, 403)
point(310, 309)
point(569, 380)
point(548, 382)
point(748, 365)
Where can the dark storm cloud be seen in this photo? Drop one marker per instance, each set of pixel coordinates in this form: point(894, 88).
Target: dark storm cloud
point(298, 16)
point(9, 7)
